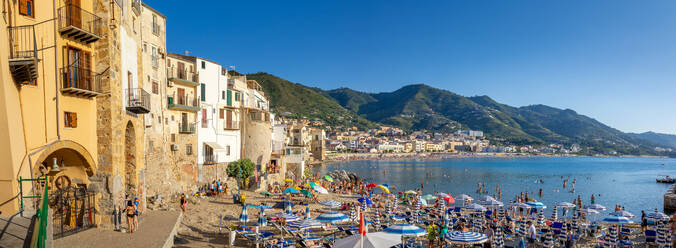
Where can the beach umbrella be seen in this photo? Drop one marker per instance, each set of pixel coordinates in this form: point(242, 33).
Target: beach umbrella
point(328, 178)
point(384, 189)
point(370, 240)
point(388, 208)
point(287, 217)
point(365, 200)
point(306, 193)
point(522, 228)
point(597, 207)
point(541, 218)
point(307, 211)
point(441, 195)
point(536, 204)
point(442, 207)
point(659, 216)
point(492, 203)
point(331, 203)
point(498, 238)
point(563, 235)
point(297, 188)
point(465, 238)
point(262, 220)
point(589, 211)
point(549, 240)
point(617, 220)
point(484, 198)
point(353, 214)
point(305, 224)
point(475, 207)
point(555, 214)
point(376, 220)
point(244, 216)
point(291, 191)
point(371, 185)
point(288, 180)
point(564, 205)
point(332, 217)
point(623, 214)
point(428, 197)
point(519, 205)
point(411, 192)
point(417, 210)
point(501, 214)
point(464, 198)
point(320, 189)
point(405, 230)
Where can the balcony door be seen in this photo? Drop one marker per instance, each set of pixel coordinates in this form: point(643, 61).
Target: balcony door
point(228, 119)
point(73, 13)
point(181, 70)
point(78, 69)
point(184, 121)
point(181, 96)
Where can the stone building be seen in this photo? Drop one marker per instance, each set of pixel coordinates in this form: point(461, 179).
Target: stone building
point(256, 127)
point(318, 144)
point(180, 119)
point(120, 112)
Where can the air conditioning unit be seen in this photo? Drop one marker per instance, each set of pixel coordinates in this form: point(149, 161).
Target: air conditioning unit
point(174, 147)
point(170, 83)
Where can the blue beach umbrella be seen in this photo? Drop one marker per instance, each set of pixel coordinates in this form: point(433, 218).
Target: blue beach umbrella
point(597, 207)
point(536, 204)
point(623, 213)
point(365, 199)
point(244, 216)
point(617, 220)
point(549, 240)
point(305, 224)
point(465, 238)
point(659, 216)
point(541, 218)
point(262, 220)
point(498, 238)
point(331, 203)
point(353, 214)
point(287, 217)
point(289, 208)
point(476, 207)
point(405, 229)
point(332, 217)
point(291, 191)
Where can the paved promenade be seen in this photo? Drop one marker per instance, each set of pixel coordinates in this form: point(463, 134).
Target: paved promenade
point(154, 229)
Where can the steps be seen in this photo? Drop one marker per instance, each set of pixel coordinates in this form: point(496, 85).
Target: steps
point(15, 230)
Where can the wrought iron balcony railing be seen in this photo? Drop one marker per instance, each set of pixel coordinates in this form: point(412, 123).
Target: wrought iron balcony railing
point(79, 24)
point(187, 128)
point(137, 100)
point(23, 55)
point(80, 81)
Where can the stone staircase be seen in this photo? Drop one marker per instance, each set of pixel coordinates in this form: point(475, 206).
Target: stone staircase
point(16, 230)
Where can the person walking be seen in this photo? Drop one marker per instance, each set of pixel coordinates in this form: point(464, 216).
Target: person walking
point(431, 233)
point(129, 210)
point(136, 213)
point(532, 235)
point(183, 203)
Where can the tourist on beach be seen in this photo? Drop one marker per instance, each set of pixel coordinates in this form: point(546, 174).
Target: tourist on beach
point(431, 233)
point(136, 213)
point(644, 221)
point(183, 203)
point(532, 234)
point(130, 216)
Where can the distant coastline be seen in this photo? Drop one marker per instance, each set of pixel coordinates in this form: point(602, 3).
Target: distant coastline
point(427, 156)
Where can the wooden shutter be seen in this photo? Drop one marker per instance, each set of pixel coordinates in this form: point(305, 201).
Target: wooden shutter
point(228, 119)
point(181, 96)
point(220, 113)
point(73, 119)
point(203, 90)
point(229, 101)
point(23, 7)
point(204, 116)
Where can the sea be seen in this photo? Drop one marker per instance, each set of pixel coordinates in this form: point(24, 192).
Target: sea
point(626, 181)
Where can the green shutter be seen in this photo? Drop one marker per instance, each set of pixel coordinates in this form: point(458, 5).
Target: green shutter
point(230, 98)
point(204, 91)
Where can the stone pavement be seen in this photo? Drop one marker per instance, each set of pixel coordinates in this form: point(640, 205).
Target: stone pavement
point(14, 230)
point(155, 229)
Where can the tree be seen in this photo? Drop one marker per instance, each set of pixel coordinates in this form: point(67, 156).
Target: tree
point(246, 165)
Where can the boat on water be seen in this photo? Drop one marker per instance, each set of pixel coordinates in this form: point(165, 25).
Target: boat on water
point(664, 179)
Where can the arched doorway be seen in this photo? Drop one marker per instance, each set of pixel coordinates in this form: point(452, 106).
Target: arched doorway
point(130, 160)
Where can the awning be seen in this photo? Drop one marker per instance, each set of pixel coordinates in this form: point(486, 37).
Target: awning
point(215, 146)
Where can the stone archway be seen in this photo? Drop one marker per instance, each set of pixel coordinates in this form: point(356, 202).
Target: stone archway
point(130, 160)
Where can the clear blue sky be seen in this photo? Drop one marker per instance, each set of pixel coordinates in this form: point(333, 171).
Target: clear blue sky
point(612, 60)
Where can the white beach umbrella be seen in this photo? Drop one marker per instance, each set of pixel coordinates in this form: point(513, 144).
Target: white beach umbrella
point(464, 198)
point(244, 216)
point(333, 217)
point(536, 204)
point(492, 203)
point(371, 240)
point(597, 207)
point(331, 203)
point(623, 214)
point(405, 230)
point(465, 238)
point(564, 205)
point(475, 207)
point(613, 219)
point(485, 198)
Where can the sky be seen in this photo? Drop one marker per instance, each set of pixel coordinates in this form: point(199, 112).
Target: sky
point(612, 60)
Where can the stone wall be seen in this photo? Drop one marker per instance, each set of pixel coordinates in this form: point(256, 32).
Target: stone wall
point(257, 141)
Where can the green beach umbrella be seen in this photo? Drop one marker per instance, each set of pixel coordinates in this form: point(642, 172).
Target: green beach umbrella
point(328, 178)
point(306, 193)
point(265, 193)
point(429, 197)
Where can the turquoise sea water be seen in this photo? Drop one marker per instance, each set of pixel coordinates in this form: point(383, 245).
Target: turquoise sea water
point(629, 182)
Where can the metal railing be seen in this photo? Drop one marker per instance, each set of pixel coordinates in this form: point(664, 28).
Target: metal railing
point(77, 77)
point(186, 127)
point(73, 210)
point(186, 101)
point(210, 158)
point(137, 98)
point(73, 15)
point(39, 238)
point(230, 125)
point(136, 6)
point(22, 42)
point(183, 74)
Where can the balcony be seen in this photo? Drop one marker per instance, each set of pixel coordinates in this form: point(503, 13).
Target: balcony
point(137, 100)
point(232, 125)
point(183, 77)
point(79, 24)
point(186, 128)
point(23, 56)
point(210, 158)
point(184, 104)
point(136, 6)
point(80, 82)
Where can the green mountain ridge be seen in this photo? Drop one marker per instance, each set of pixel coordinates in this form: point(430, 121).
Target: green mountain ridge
point(422, 107)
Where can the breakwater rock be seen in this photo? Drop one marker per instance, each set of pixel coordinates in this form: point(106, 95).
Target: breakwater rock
point(342, 175)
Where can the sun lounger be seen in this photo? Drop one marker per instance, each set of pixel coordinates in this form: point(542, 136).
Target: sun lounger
point(650, 236)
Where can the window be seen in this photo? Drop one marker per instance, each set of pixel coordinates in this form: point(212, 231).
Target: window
point(145, 47)
point(236, 96)
point(172, 117)
point(188, 149)
point(150, 146)
point(204, 65)
point(27, 8)
point(156, 59)
point(70, 119)
point(173, 137)
point(222, 95)
point(221, 113)
point(223, 71)
point(203, 89)
point(156, 26)
point(227, 150)
point(133, 23)
point(156, 87)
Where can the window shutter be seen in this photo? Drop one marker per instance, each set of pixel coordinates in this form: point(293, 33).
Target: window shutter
point(74, 118)
point(220, 113)
point(23, 7)
point(204, 91)
point(229, 101)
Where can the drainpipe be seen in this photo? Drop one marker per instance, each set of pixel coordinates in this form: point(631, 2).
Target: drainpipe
point(56, 73)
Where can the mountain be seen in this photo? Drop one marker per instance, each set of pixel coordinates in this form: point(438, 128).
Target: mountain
point(422, 107)
point(665, 140)
point(296, 100)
